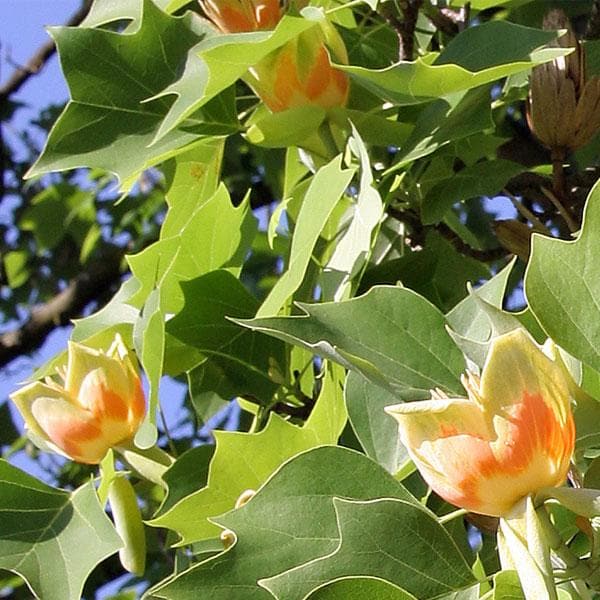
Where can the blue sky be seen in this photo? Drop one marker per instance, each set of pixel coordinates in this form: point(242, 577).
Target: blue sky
point(22, 31)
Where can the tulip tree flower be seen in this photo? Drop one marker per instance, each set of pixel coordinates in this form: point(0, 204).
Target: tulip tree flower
point(97, 404)
point(491, 453)
point(297, 74)
point(511, 437)
point(235, 16)
point(300, 72)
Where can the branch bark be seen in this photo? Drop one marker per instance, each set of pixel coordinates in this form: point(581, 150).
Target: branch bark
point(36, 63)
point(89, 285)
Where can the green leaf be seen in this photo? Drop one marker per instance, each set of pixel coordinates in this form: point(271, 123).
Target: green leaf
point(445, 121)
point(482, 179)
point(468, 318)
point(353, 247)
point(562, 285)
point(108, 123)
point(291, 520)
point(217, 62)
point(192, 179)
point(227, 360)
point(283, 129)
point(359, 588)
point(117, 313)
point(149, 340)
point(391, 335)
point(376, 431)
point(103, 12)
point(326, 188)
point(438, 272)
point(40, 529)
point(459, 68)
point(244, 461)
point(225, 233)
point(507, 586)
point(391, 539)
point(177, 476)
point(15, 266)
point(57, 211)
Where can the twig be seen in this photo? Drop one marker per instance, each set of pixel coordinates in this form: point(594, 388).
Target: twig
point(405, 27)
point(564, 213)
point(40, 57)
point(558, 173)
point(459, 244)
point(89, 285)
point(529, 215)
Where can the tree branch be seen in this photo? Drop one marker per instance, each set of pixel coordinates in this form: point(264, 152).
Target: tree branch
point(40, 57)
point(89, 285)
point(418, 229)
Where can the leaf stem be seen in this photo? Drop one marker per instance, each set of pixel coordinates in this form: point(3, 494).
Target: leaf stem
point(452, 515)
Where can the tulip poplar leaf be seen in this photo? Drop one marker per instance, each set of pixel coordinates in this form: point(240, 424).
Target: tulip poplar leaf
point(215, 235)
point(438, 272)
point(354, 245)
point(107, 122)
point(192, 179)
point(359, 588)
point(391, 335)
point(445, 121)
point(272, 531)
point(217, 62)
point(486, 178)
point(468, 317)
point(244, 461)
point(376, 431)
point(371, 535)
point(322, 196)
point(222, 358)
point(562, 285)
point(40, 526)
point(459, 68)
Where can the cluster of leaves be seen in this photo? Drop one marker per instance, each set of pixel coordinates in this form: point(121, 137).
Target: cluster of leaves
point(373, 219)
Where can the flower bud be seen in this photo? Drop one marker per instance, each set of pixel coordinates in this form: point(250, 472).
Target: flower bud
point(95, 403)
point(564, 106)
point(129, 525)
point(235, 16)
point(300, 73)
point(513, 436)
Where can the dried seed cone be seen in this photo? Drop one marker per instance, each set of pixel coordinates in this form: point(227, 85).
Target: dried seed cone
point(564, 108)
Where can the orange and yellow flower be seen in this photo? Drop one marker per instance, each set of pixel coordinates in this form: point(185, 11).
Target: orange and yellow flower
point(300, 72)
point(297, 74)
point(512, 436)
point(236, 16)
point(99, 403)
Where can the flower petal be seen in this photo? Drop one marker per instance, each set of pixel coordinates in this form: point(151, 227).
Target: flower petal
point(70, 428)
point(515, 365)
point(26, 396)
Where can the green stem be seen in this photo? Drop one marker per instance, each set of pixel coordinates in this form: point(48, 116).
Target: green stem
point(452, 515)
point(576, 568)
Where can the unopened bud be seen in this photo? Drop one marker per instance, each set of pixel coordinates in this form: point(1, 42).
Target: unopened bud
point(564, 108)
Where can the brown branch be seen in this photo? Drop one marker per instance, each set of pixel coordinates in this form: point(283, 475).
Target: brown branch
point(36, 63)
point(419, 230)
point(88, 286)
point(405, 27)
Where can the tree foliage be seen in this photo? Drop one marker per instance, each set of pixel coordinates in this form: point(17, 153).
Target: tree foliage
point(300, 268)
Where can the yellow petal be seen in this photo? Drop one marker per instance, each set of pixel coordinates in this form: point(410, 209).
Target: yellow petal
point(70, 428)
point(515, 365)
point(26, 396)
